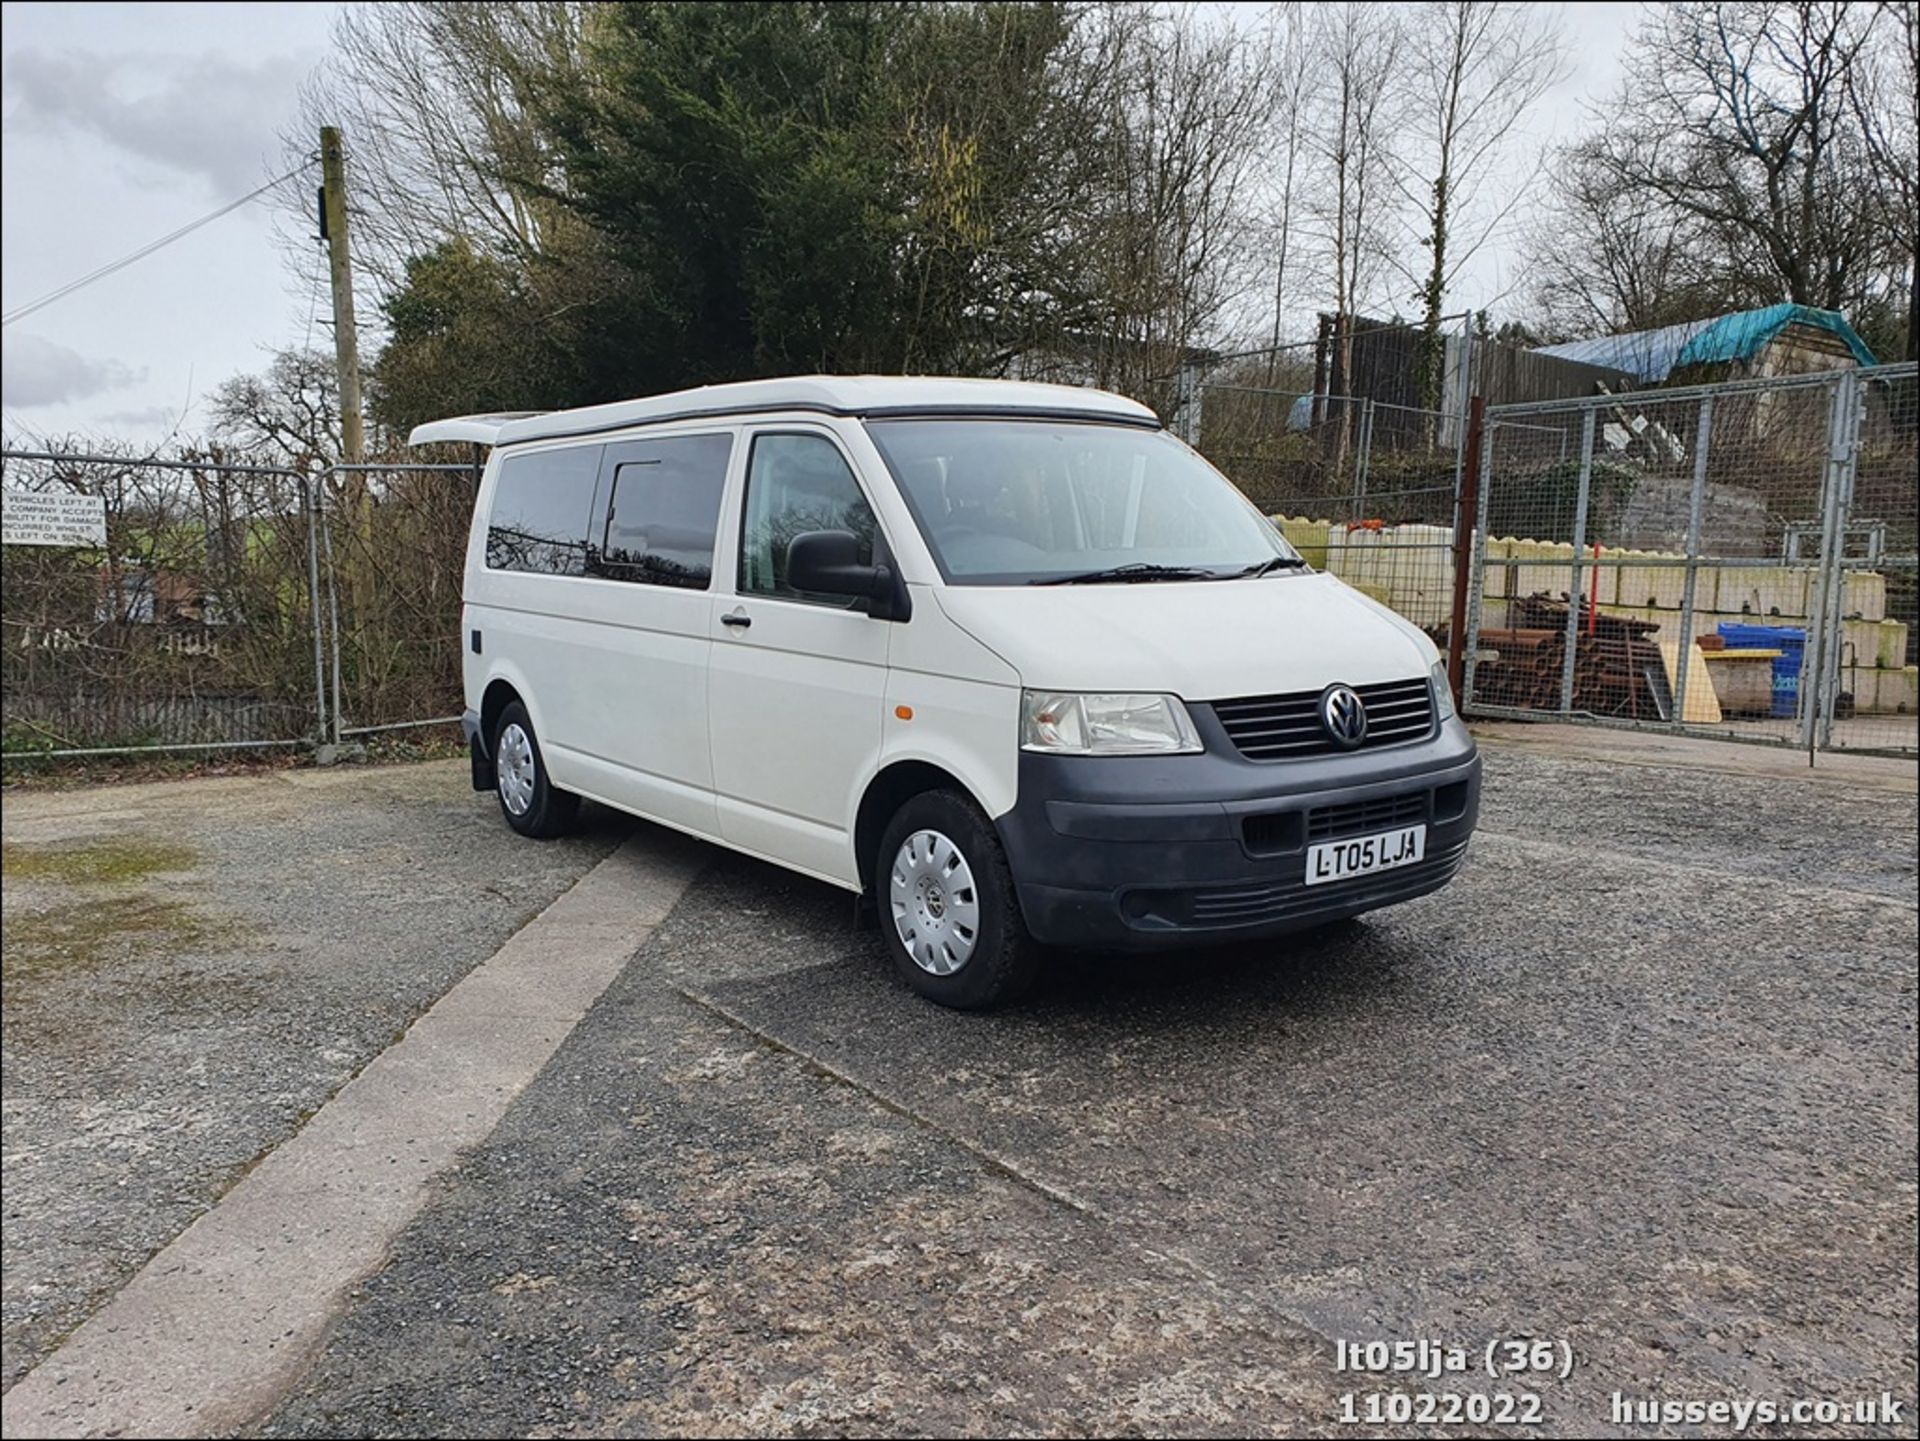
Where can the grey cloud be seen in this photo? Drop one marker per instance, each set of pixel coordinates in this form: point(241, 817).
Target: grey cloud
point(204, 115)
point(35, 371)
point(153, 417)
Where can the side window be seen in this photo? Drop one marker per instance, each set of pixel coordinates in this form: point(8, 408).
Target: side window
point(663, 510)
point(541, 502)
point(797, 483)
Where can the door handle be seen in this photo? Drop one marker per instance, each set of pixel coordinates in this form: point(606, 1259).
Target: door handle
point(738, 619)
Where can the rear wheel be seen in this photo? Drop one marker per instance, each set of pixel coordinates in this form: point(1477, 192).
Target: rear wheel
point(531, 803)
point(947, 905)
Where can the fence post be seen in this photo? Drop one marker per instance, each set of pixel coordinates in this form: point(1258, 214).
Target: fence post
point(1466, 510)
point(1579, 551)
point(306, 483)
point(1703, 438)
point(1483, 474)
point(1812, 703)
point(1365, 455)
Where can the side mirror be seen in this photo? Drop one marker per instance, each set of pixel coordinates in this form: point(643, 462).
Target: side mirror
point(828, 561)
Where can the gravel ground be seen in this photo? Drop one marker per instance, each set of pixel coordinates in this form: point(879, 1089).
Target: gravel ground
point(192, 968)
point(1642, 1079)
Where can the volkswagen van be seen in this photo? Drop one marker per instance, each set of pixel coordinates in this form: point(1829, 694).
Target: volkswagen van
point(1007, 661)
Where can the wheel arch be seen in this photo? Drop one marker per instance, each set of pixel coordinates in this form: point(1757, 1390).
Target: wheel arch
point(502, 691)
point(890, 788)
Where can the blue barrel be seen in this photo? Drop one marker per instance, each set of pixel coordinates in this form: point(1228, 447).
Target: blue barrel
point(1789, 640)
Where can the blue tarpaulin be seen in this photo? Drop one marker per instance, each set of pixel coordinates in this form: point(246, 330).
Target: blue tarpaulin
point(1653, 355)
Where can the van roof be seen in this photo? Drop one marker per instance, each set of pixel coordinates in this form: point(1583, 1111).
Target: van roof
point(863, 395)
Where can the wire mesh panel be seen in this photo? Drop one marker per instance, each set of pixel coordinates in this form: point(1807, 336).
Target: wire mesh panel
point(219, 614)
point(1363, 487)
point(192, 626)
point(1673, 559)
point(393, 553)
point(1876, 621)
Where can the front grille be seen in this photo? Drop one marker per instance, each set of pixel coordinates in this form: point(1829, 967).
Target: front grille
point(1281, 900)
point(1364, 817)
point(1282, 727)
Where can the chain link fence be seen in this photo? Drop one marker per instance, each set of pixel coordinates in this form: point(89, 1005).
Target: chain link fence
point(232, 607)
point(1362, 486)
point(1733, 560)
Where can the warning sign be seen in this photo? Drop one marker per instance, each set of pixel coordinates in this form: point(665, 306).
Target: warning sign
point(52, 517)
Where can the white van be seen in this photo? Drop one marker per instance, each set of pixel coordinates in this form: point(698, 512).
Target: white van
point(1006, 660)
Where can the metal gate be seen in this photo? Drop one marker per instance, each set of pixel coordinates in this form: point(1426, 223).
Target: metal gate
point(233, 607)
point(1733, 560)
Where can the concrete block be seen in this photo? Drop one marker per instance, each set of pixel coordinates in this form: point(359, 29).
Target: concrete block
point(1742, 679)
point(1600, 581)
point(1890, 644)
point(1309, 537)
point(1764, 595)
point(1866, 595)
point(1882, 692)
point(1498, 576)
point(1551, 575)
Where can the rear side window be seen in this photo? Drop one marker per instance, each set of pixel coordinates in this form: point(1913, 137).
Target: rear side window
point(663, 509)
point(541, 504)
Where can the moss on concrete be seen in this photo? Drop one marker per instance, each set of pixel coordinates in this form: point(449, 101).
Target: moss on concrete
point(119, 861)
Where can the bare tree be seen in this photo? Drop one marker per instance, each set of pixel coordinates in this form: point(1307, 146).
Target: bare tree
point(1885, 97)
point(1170, 236)
point(430, 95)
point(1476, 68)
point(289, 415)
point(1359, 55)
point(1295, 92)
point(1604, 257)
point(1735, 116)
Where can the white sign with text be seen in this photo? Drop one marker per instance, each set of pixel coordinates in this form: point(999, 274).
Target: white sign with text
point(52, 517)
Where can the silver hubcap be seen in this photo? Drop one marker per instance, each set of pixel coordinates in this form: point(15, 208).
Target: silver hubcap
point(514, 766)
point(936, 910)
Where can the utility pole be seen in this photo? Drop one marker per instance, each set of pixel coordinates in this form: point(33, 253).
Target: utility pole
point(346, 342)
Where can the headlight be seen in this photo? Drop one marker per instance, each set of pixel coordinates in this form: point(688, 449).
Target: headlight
point(1442, 693)
point(1105, 725)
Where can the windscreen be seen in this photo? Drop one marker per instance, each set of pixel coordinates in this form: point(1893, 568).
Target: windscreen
point(1010, 502)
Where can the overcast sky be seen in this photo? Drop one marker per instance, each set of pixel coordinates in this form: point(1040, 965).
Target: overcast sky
point(122, 122)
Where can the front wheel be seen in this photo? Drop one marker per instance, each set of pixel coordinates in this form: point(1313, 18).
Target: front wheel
point(531, 803)
point(948, 908)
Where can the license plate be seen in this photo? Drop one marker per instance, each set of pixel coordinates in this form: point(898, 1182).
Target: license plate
point(1363, 855)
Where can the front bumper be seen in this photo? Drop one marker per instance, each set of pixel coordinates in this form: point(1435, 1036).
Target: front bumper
point(1149, 852)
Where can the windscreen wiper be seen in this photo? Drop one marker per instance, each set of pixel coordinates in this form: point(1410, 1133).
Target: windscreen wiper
point(1126, 574)
point(1268, 567)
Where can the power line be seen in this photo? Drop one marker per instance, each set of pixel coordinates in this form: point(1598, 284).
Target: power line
point(121, 264)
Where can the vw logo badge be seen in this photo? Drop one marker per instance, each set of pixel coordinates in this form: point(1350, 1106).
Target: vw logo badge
point(1344, 715)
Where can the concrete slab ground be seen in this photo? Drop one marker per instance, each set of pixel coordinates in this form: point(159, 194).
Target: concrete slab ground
point(191, 968)
point(222, 1321)
point(1642, 1080)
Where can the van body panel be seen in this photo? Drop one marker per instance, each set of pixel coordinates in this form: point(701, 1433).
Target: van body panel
point(965, 704)
point(1200, 640)
point(795, 704)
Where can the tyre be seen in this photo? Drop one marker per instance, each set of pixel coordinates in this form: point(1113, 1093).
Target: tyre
point(531, 803)
point(947, 905)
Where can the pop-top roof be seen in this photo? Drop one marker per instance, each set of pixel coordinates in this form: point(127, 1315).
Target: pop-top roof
point(1653, 355)
point(866, 395)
